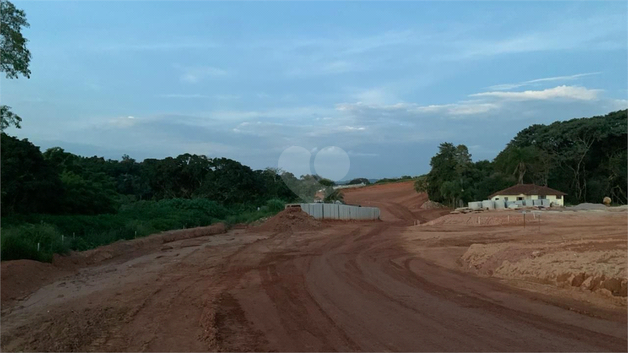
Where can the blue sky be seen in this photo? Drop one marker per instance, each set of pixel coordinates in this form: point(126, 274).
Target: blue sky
point(384, 82)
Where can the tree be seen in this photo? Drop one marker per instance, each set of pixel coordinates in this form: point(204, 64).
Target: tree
point(420, 185)
point(582, 157)
point(355, 181)
point(8, 118)
point(326, 182)
point(14, 56)
point(333, 196)
point(519, 161)
point(30, 184)
point(449, 176)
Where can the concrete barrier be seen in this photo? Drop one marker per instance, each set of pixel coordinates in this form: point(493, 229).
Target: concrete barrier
point(475, 205)
point(488, 204)
point(339, 211)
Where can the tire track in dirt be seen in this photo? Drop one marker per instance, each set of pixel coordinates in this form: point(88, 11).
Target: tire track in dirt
point(346, 287)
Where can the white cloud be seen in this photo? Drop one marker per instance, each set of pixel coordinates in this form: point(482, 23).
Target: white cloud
point(375, 96)
point(122, 122)
point(472, 108)
point(163, 46)
point(453, 109)
point(619, 104)
point(325, 68)
point(362, 154)
point(226, 96)
point(508, 86)
point(184, 96)
point(353, 128)
point(197, 73)
point(565, 92)
point(593, 33)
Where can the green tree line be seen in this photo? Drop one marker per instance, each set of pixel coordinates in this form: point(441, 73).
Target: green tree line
point(59, 182)
point(93, 201)
point(584, 157)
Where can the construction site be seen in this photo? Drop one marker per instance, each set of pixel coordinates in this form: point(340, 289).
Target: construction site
point(419, 278)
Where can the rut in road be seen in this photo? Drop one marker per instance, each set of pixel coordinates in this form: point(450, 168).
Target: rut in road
point(358, 290)
point(346, 287)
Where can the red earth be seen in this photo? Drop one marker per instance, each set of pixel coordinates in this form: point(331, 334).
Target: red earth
point(338, 287)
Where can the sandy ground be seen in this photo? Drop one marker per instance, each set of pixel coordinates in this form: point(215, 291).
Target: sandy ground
point(363, 286)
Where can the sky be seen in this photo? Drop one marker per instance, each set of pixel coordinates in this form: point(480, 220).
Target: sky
point(374, 85)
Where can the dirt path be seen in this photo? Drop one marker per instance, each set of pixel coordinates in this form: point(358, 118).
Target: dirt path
point(346, 287)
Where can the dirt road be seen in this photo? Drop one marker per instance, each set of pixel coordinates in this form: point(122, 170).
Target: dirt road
point(340, 287)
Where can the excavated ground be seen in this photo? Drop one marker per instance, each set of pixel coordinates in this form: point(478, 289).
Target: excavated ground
point(310, 286)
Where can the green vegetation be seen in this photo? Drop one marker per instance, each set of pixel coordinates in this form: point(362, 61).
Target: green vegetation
point(394, 180)
point(586, 158)
point(333, 196)
point(14, 56)
point(93, 201)
point(355, 181)
point(22, 232)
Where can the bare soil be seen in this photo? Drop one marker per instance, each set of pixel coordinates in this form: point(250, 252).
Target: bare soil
point(363, 286)
point(291, 219)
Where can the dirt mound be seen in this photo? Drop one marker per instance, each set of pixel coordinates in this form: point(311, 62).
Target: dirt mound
point(128, 247)
point(290, 219)
point(21, 277)
point(588, 207)
point(579, 264)
point(431, 205)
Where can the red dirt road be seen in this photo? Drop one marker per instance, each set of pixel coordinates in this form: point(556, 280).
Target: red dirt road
point(343, 287)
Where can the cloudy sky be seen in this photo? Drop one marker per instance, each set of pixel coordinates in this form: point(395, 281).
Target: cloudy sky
point(383, 82)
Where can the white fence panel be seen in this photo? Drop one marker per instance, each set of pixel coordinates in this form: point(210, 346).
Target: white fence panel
point(338, 211)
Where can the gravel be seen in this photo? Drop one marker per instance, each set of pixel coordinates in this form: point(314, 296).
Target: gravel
point(588, 206)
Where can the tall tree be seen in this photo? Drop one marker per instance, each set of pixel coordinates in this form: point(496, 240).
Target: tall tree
point(447, 180)
point(30, 184)
point(14, 56)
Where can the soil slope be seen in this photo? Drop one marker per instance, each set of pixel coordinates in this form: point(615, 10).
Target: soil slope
point(367, 286)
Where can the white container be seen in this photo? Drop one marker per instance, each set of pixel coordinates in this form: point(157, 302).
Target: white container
point(488, 204)
point(475, 205)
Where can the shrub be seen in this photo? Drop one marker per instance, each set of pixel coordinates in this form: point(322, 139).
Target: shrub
point(21, 242)
point(21, 233)
point(275, 205)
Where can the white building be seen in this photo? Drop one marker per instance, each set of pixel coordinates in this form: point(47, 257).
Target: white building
point(529, 192)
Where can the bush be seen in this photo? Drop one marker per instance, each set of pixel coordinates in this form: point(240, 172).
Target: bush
point(21, 233)
point(275, 205)
point(21, 242)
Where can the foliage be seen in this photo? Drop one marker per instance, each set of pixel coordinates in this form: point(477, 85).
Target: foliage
point(14, 56)
point(99, 201)
point(585, 157)
point(394, 180)
point(450, 174)
point(420, 183)
point(21, 233)
point(333, 196)
point(21, 242)
point(29, 182)
point(582, 157)
point(355, 181)
point(8, 118)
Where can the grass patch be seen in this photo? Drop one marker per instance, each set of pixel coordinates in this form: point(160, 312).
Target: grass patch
point(59, 234)
point(394, 180)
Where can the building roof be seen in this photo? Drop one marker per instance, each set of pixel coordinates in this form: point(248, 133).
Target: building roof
point(528, 189)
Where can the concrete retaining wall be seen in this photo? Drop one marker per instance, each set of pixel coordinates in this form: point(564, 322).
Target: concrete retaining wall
point(338, 211)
